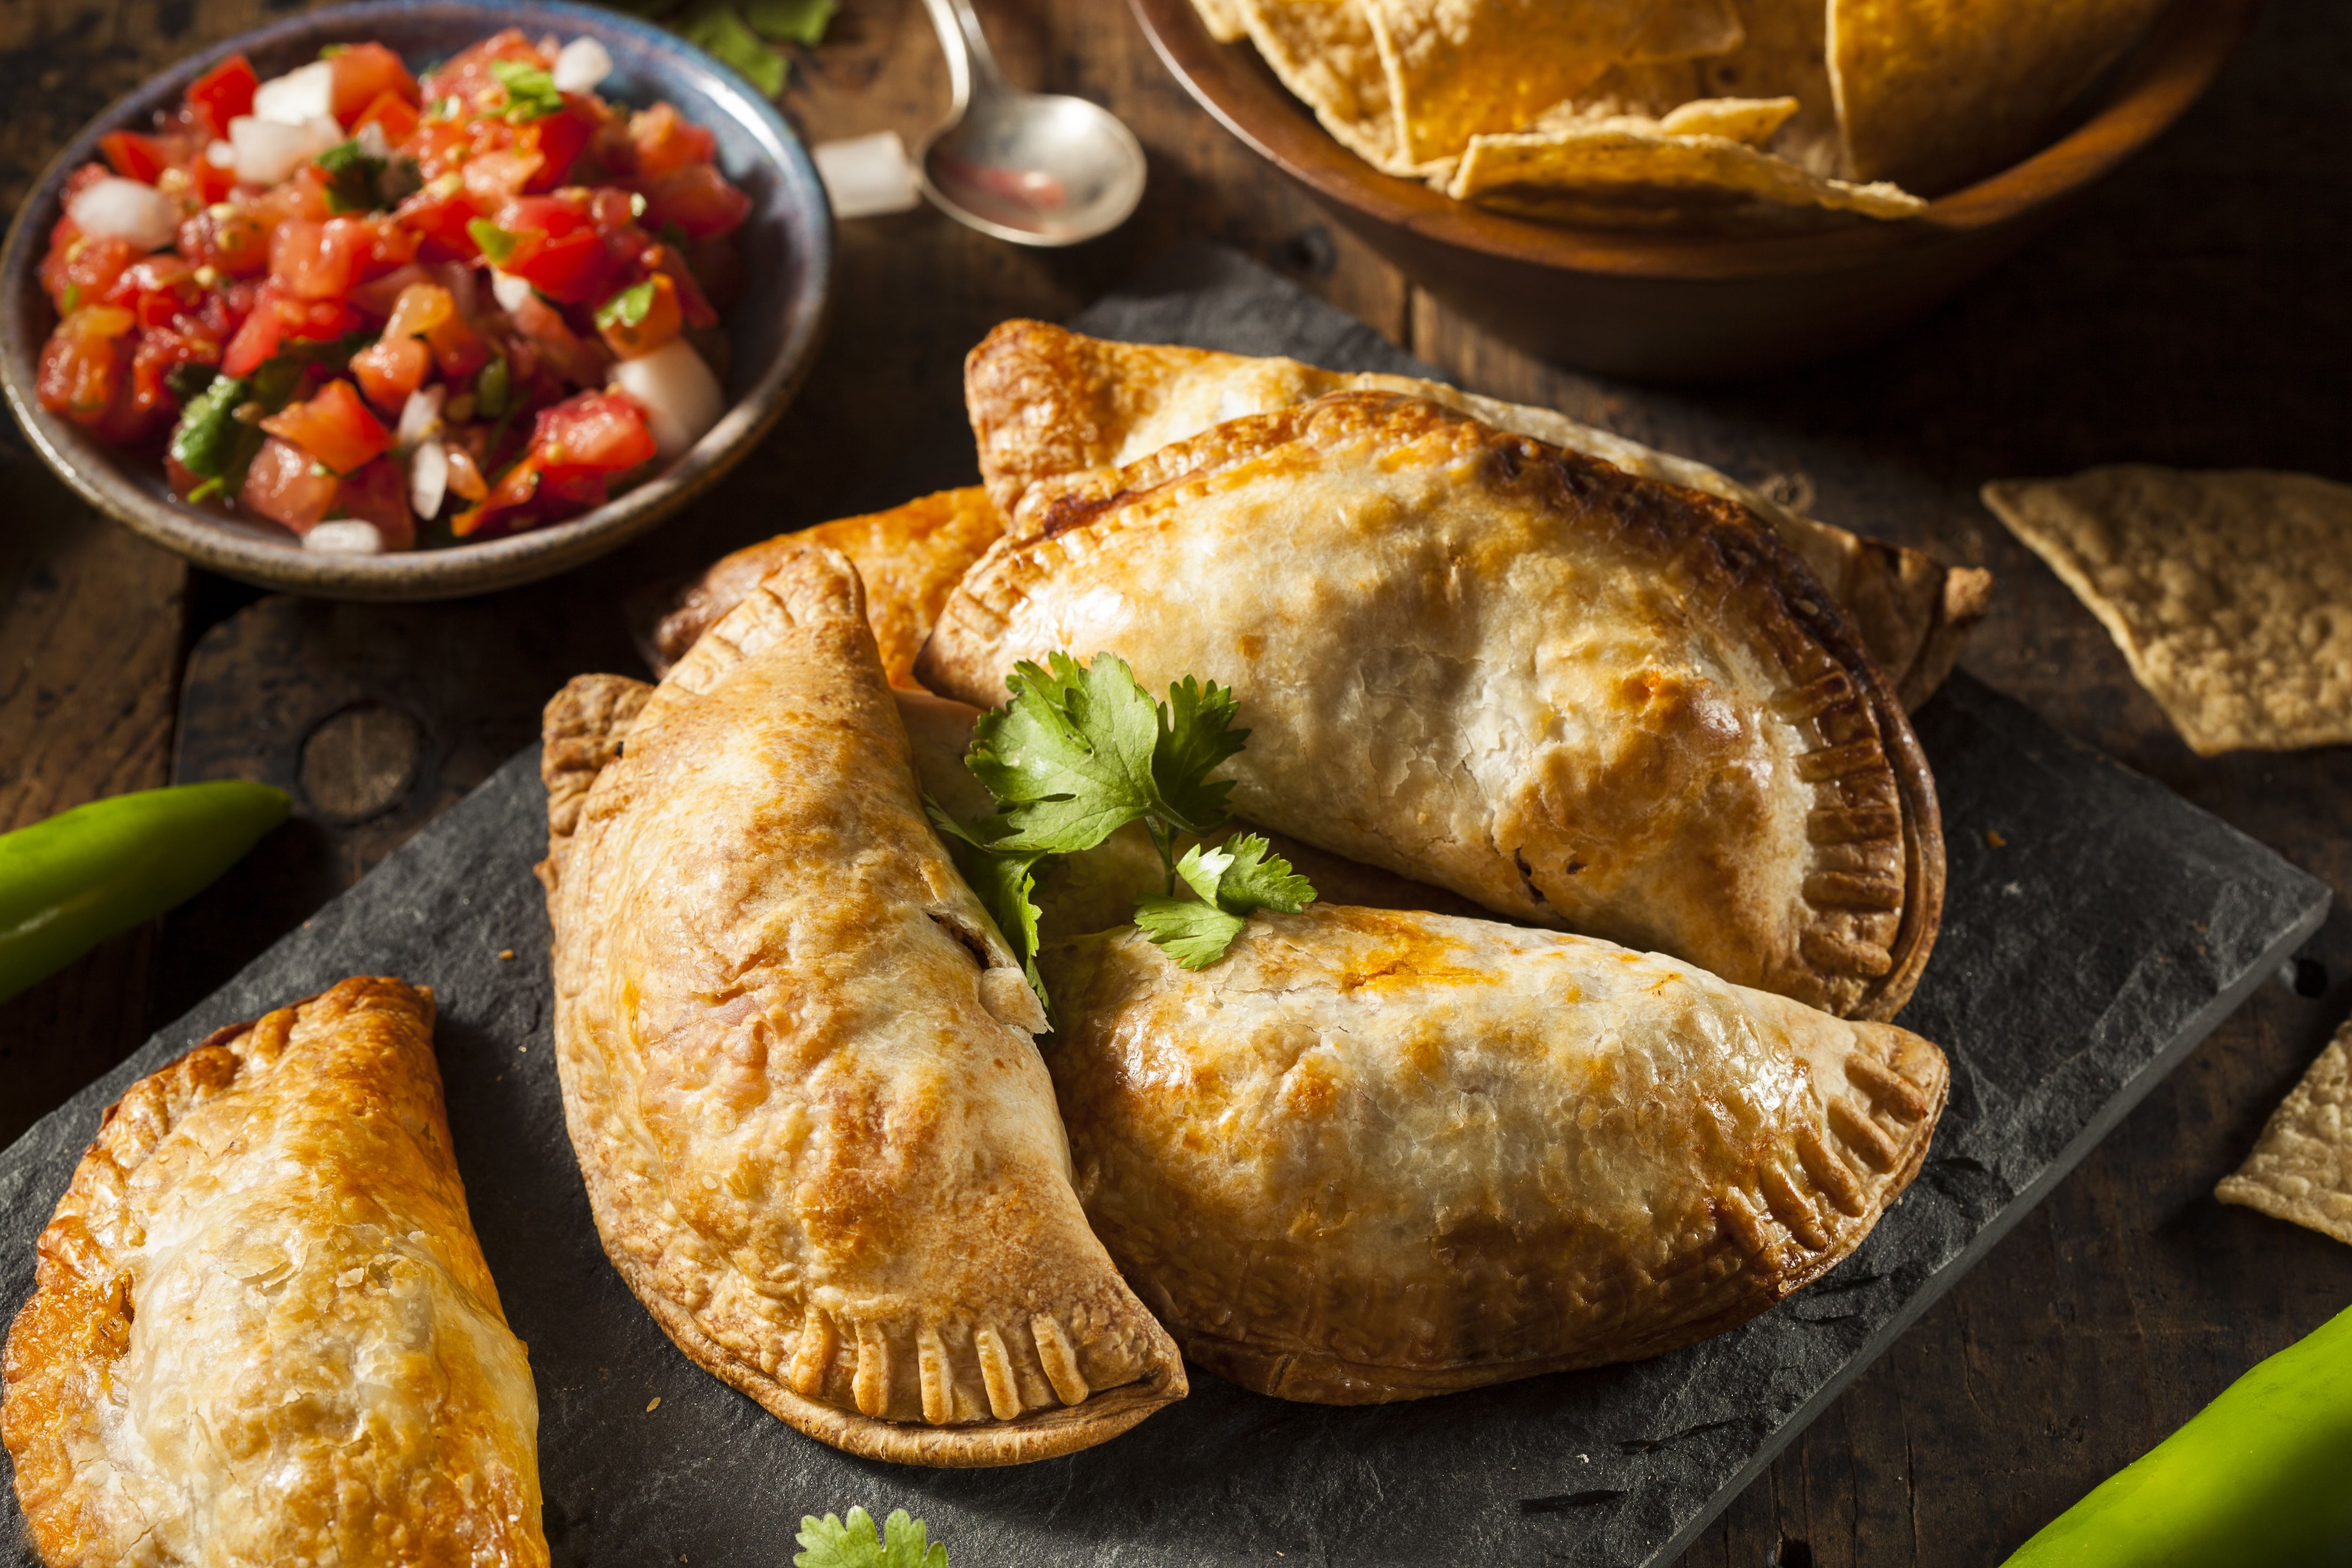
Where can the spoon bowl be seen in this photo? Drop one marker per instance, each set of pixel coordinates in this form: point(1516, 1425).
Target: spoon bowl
point(1030, 168)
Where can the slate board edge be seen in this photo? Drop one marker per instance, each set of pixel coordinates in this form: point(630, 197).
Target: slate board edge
point(2027, 1199)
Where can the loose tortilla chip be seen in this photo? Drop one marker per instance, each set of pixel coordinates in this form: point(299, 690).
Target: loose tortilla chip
point(1634, 163)
point(1048, 403)
point(1781, 55)
point(1457, 68)
point(1754, 121)
point(911, 557)
point(1223, 19)
point(1934, 93)
point(2230, 594)
point(2301, 1168)
point(1324, 53)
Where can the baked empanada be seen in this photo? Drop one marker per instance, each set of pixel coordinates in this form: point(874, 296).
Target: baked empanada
point(263, 1331)
point(1578, 697)
point(1047, 403)
point(909, 557)
point(1374, 1155)
point(796, 1058)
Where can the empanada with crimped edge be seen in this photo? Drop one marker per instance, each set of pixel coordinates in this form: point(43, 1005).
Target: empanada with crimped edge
point(797, 1065)
point(1374, 1155)
point(1580, 697)
point(263, 1331)
point(1047, 403)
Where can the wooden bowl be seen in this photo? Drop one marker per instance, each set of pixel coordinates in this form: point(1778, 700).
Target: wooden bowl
point(1694, 307)
point(787, 250)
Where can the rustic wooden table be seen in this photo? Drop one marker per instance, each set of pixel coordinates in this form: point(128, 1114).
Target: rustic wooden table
point(2194, 310)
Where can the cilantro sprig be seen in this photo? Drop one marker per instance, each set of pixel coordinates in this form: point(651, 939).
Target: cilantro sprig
point(903, 1543)
point(1081, 750)
point(531, 92)
point(739, 32)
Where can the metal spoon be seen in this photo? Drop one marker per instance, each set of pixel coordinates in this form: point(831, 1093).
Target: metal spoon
point(1031, 168)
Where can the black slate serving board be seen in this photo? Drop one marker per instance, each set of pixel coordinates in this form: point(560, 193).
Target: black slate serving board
point(2096, 927)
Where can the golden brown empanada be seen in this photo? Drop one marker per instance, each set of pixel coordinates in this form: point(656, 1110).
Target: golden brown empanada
point(1374, 1155)
point(1578, 697)
point(796, 1059)
point(263, 1331)
point(909, 557)
point(1047, 403)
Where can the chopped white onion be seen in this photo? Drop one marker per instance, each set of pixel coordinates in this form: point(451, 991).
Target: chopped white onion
point(117, 208)
point(428, 478)
point(867, 175)
point(510, 290)
point(344, 536)
point(373, 143)
point(220, 153)
point(268, 151)
point(580, 64)
point(682, 398)
point(420, 418)
point(299, 97)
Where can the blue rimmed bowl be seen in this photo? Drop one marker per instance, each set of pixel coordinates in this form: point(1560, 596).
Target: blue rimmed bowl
point(774, 330)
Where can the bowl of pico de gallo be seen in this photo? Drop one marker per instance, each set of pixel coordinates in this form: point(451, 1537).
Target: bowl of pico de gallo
point(415, 299)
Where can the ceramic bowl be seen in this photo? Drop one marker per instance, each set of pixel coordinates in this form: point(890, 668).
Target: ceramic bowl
point(1695, 307)
point(787, 249)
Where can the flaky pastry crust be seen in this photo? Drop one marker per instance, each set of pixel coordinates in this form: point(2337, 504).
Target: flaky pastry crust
point(262, 1330)
point(797, 1064)
point(1580, 697)
point(1372, 1155)
point(1048, 403)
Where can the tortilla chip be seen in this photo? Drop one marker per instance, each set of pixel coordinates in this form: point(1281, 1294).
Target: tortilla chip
point(1223, 19)
point(1048, 403)
point(1460, 67)
point(1781, 55)
point(2230, 594)
point(1634, 163)
point(911, 557)
point(1690, 29)
point(2301, 1168)
point(1754, 121)
point(1935, 93)
point(1324, 52)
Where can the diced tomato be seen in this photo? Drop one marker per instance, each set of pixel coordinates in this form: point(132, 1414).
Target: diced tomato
point(84, 271)
point(365, 72)
point(515, 489)
point(224, 93)
point(458, 348)
point(491, 178)
point(214, 183)
point(320, 262)
point(691, 302)
point(315, 320)
point(334, 426)
point(558, 139)
point(390, 369)
point(395, 115)
point(665, 141)
point(134, 157)
point(697, 199)
point(83, 361)
point(255, 343)
point(440, 222)
point(286, 486)
point(602, 431)
point(576, 360)
point(378, 494)
point(468, 75)
point(160, 350)
point(235, 243)
point(390, 248)
point(302, 197)
point(155, 289)
point(420, 307)
point(661, 320)
point(573, 269)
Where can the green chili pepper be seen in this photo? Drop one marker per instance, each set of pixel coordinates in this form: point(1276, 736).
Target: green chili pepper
point(70, 882)
point(2261, 1478)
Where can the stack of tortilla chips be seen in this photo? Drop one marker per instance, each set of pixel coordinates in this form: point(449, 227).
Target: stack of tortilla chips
point(1653, 113)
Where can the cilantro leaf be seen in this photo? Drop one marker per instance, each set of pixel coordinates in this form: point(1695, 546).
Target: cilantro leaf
point(1005, 882)
point(903, 1543)
point(1194, 933)
point(353, 178)
point(206, 439)
point(715, 27)
point(1196, 733)
point(790, 21)
point(1070, 756)
point(531, 92)
point(1255, 878)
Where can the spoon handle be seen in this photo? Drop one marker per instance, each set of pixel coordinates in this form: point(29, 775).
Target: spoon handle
point(970, 62)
